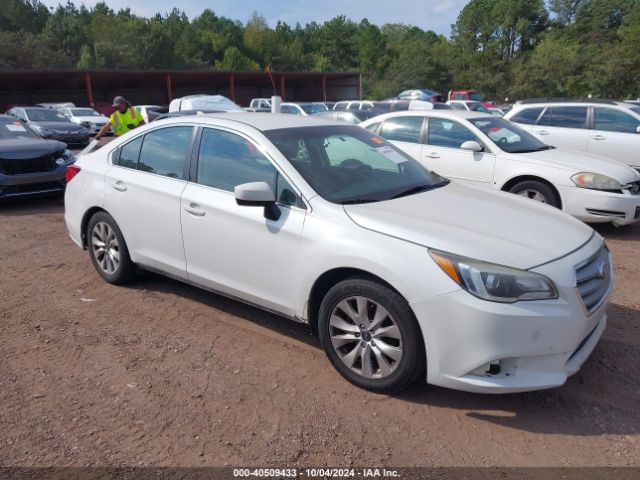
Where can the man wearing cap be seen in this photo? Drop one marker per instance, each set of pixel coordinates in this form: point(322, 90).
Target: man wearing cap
point(124, 118)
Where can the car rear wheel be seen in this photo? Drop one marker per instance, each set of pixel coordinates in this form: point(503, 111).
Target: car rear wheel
point(371, 336)
point(108, 250)
point(538, 191)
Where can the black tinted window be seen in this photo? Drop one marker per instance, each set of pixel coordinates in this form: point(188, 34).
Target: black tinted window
point(612, 120)
point(528, 116)
point(129, 154)
point(568, 117)
point(164, 151)
point(402, 129)
point(447, 133)
point(227, 160)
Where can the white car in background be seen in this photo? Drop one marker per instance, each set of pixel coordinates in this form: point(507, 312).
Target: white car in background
point(602, 127)
point(203, 102)
point(302, 108)
point(468, 105)
point(87, 117)
point(144, 110)
point(403, 273)
point(488, 151)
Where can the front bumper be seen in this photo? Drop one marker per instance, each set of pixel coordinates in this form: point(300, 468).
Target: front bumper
point(31, 184)
point(595, 206)
point(487, 347)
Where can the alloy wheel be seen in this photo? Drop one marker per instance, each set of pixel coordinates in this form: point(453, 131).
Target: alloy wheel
point(105, 247)
point(365, 337)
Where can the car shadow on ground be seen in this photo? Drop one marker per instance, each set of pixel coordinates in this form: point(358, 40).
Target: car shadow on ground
point(603, 398)
point(19, 207)
point(626, 232)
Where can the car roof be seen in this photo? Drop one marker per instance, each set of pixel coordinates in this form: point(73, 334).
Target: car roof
point(465, 114)
point(262, 121)
point(573, 102)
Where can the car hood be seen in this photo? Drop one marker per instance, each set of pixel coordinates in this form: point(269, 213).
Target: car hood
point(70, 126)
point(92, 119)
point(576, 161)
point(470, 221)
point(26, 148)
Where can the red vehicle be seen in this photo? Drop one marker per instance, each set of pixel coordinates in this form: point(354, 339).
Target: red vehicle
point(469, 95)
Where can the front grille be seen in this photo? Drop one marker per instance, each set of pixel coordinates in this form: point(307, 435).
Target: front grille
point(633, 187)
point(28, 165)
point(593, 279)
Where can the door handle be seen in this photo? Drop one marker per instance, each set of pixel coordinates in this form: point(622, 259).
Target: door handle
point(432, 155)
point(194, 209)
point(542, 132)
point(121, 187)
point(598, 137)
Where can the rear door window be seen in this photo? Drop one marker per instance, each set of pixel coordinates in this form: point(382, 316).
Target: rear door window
point(567, 117)
point(611, 120)
point(527, 116)
point(164, 151)
point(402, 129)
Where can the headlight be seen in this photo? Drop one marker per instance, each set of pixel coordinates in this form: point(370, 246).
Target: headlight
point(494, 282)
point(42, 130)
point(595, 181)
point(66, 158)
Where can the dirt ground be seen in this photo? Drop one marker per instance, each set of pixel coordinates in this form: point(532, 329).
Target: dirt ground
point(160, 373)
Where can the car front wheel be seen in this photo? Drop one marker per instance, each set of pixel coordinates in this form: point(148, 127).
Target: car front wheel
point(108, 250)
point(371, 336)
point(538, 191)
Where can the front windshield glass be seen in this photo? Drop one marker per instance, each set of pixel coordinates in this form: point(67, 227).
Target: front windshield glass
point(508, 136)
point(45, 115)
point(348, 164)
point(636, 110)
point(475, 96)
point(11, 129)
point(478, 107)
point(84, 112)
point(312, 108)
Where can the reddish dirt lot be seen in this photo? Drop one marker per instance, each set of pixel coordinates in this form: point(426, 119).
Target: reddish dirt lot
point(160, 373)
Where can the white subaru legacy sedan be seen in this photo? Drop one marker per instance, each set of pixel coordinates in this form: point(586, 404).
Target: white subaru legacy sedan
point(402, 273)
point(490, 152)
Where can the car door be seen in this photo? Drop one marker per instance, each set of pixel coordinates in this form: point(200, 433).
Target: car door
point(143, 186)
point(614, 135)
point(405, 132)
point(442, 153)
point(234, 249)
point(564, 126)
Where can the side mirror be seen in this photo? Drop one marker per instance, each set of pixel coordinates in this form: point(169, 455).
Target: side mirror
point(472, 145)
point(638, 129)
point(258, 194)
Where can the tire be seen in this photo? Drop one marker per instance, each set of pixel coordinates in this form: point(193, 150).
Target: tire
point(390, 368)
point(113, 263)
point(536, 190)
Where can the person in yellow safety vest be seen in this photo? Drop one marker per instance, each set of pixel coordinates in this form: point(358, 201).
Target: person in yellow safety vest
point(124, 118)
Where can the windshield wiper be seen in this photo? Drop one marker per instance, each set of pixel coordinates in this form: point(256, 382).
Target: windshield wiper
point(355, 201)
point(418, 189)
point(530, 150)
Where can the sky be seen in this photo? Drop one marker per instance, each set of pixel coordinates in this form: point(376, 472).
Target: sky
point(436, 15)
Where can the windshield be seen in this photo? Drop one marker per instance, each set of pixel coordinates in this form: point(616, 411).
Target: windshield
point(11, 129)
point(507, 136)
point(84, 112)
point(348, 164)
point(312, 108)
point(45, 115)
point(477, 107)
point(475, 96)
point(635, 110)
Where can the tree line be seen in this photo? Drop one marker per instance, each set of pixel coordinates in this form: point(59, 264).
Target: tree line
point(504, 48)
